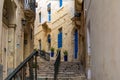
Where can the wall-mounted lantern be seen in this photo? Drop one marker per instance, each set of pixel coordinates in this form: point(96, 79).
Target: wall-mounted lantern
point(23, 22)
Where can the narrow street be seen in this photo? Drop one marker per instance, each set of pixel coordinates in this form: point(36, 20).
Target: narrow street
point(59, 39)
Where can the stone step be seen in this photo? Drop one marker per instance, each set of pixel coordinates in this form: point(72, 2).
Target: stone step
point(66, 69)
point(62, 78)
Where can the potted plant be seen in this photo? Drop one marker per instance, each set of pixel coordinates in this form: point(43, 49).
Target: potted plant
point(35, 49)
point(65, 55)
point(52, 52)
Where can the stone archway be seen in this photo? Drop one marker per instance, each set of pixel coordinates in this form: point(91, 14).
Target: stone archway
point(8, 37)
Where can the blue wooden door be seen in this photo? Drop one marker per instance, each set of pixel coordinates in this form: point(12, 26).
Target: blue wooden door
point(75, 44)
point(60, 40)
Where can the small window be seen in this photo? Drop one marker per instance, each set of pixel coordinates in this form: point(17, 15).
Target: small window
point(49, 38)
point(40, 17)
point(49, 41)
point(40, 46)
point(26, 1)
point(49, 11)
point(61, 3)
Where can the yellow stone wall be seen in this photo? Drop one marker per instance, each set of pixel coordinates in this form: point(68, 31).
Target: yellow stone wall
point(61, 18)
point(12, 36)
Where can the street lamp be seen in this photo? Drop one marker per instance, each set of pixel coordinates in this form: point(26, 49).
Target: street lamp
point(23, 22)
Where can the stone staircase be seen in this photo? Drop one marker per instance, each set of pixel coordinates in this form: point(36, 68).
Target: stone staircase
point(67, 71)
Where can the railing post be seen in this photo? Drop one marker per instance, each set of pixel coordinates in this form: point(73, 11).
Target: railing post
point(20, 72)
point(24, 72)
point(13, 78)
point(57, 64)
point(36, 67)
point(31, 68)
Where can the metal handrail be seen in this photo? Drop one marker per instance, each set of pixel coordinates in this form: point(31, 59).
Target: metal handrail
point(56, 65)
point(44, 55)
point(13, 74)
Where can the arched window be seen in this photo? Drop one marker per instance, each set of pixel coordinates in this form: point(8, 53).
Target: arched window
point(49, 38)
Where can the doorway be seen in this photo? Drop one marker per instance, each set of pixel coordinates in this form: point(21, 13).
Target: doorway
point(75, 43)
point(4, 49)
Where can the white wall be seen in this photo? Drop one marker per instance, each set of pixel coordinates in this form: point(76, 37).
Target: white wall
point(104, 17)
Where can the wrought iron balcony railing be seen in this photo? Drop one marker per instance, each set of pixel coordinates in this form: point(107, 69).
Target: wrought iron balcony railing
point(30, 5)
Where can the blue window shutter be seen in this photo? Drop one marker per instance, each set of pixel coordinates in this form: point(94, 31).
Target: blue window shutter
point(49, 15)
point(60, 40)
point(61, 2)
point(76, 44)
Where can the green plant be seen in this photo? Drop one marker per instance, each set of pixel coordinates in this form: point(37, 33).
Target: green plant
point(52, 49)
point(65, 53)
point(35, 49)
point(43, 50)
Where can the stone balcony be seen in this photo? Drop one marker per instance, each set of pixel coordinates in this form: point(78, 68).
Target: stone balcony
point(46, 26)
point(29, 10)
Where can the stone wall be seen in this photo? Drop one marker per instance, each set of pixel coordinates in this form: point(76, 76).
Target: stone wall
point(61, 18)
point(11, 35)
point(103, 18)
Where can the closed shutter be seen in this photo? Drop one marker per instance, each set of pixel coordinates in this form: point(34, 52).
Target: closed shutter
point(60, 40)
point(76, 44)
point(60, 3)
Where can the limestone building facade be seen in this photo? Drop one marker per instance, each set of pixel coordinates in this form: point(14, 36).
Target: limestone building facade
point(103, 29)
point(16, 33)
point(55, 18)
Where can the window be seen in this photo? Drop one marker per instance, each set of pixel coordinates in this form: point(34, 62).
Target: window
point(40, 44)
point(40, 17)
point(60, 38)
point(31, 36)
point(61, 3)
point(49, 41)
point(49, 11)
point(26, 1)
point(49, 38)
